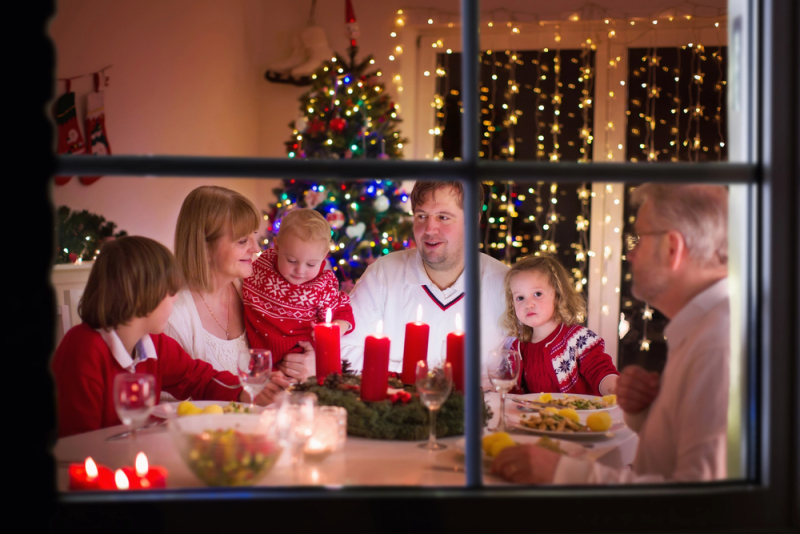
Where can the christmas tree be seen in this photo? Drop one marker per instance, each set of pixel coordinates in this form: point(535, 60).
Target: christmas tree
point(81, 234)
point(348, 114)
point(367, 217)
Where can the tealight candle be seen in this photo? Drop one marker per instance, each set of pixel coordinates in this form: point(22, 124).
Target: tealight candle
point(375, 375)
point(328, 357)
point(415, 347)
point(144, 476)
point(455, 354)
point(90, 476)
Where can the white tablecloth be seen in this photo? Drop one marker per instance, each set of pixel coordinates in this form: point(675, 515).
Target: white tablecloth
point(362, 462)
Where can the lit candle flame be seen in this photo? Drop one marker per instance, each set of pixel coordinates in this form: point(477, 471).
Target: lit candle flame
point(142, 466)
point(459, 324)
point(419, 313)
point(379, 328)
point(328, 316)
point(91, 468)
point(121, 479)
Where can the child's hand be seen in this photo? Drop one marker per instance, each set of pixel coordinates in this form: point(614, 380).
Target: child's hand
point(298, 367)
point(344, 326)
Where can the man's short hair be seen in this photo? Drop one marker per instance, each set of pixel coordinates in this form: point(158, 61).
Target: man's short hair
point(698, 212)
point(424, 189)
point(305, 224)
point(207, 214)
point(129, 278)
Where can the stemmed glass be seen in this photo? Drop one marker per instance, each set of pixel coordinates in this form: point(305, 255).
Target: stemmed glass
point(433, 386)
point(255, 369)
point(295, 422)
point(134, 399)
point(503, 369)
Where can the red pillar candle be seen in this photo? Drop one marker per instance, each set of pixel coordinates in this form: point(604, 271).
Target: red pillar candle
point(415, 347)
point(90, 476)
point(144, 476)
point(455, 354)
point(375, 375)
point(327, 353)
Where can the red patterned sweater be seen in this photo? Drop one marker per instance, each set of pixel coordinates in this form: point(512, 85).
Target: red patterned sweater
point(278, 314)
point(570, 360)
point(84, 369)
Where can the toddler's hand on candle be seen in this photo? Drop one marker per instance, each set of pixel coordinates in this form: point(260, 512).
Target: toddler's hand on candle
point(344, 326)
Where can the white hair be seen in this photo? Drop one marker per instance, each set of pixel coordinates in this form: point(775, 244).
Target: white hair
point(698, 212)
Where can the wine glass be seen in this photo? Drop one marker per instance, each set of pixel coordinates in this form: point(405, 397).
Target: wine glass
point(255, 369)
point(503, 368)
point(134, 398)
point(295, 422)
point(433, 386)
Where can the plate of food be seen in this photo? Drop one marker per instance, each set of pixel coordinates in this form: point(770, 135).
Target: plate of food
point(169, 410)
point(494, 443)
point(579, 403)
point(565, 424)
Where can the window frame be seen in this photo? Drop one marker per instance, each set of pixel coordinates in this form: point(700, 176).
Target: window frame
point(764, 500)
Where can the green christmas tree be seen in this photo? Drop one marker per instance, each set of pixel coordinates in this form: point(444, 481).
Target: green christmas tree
point(81, 234)
point(346, 114)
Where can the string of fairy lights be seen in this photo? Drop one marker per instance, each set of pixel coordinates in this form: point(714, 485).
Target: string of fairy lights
point(535, 234)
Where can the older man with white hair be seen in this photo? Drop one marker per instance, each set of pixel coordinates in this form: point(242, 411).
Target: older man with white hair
point(679, 261)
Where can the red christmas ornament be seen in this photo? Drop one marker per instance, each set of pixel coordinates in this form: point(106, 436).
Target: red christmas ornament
point(338, 125)
point(316, 126)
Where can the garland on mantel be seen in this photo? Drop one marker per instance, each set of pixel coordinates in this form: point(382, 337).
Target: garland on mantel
point(400, 419)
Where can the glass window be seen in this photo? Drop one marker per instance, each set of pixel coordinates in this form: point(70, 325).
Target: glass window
point(756, 242)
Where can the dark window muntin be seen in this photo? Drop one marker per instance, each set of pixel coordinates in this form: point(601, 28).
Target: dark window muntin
point(763, 500)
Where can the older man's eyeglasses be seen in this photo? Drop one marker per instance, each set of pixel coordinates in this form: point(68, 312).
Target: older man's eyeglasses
point(631, 240)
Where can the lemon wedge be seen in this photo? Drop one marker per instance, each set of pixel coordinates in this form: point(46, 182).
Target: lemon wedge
point(599, 421)
point(545, 397)
point(569, 413)
point(610, 400)
point(213, 408)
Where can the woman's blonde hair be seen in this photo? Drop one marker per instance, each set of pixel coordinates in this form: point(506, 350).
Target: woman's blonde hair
point(305, 224)
point(570, 304)
point(130, 278)
point(207, 214)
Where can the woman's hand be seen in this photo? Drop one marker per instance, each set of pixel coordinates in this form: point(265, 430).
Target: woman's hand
point(268, 395)
point(526, 464)
point(298, 367)
point(636, 389)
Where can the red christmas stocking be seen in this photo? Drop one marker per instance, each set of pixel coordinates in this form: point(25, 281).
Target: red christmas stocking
point(96, 127)
point(70, 140)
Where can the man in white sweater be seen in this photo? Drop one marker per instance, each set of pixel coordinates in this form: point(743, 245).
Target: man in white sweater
point(679, 258)
point(429, 277)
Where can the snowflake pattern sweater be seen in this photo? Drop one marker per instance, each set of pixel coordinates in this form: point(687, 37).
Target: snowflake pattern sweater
point(279, 314)
point(570, 360)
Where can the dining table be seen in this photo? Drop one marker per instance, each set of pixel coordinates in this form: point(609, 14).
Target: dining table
point(361, 462)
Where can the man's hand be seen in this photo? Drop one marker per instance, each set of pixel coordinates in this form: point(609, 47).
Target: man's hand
point(526, 464)
point(637, 388)
point(298, 367)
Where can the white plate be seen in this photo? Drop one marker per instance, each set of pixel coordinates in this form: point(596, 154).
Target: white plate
point(169, 410)
point(587, 436)
point(573, 450)
point(534, 397)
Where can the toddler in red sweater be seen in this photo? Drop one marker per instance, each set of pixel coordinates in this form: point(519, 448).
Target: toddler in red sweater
point(558, 355)
point(124, 308)
point(290, 290)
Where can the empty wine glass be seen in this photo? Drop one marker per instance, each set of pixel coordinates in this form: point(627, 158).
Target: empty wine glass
point(295, 422)
point(433, 386)
point(134, 398)
point(255, 369)
point(503, 369)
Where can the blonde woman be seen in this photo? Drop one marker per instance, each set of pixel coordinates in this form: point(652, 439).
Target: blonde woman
point(542, 312)
point(215, 241)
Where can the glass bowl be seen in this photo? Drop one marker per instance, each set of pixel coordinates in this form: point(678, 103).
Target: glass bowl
point(227, 450)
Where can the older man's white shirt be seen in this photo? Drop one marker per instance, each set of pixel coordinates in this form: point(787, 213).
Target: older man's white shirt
point(683, 435)
point(393, 287)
